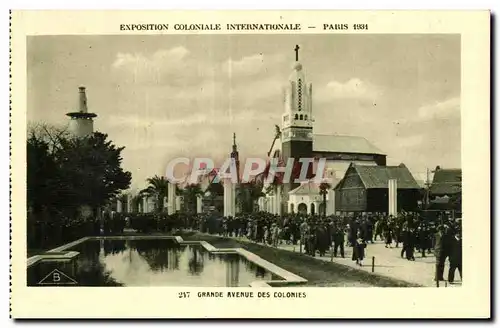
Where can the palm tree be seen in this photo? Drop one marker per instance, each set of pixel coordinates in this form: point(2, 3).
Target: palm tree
point(124, 199)
point(269, 190)
point(324, 187)
point(191, 192)
point(136, 201)
point(157, 188)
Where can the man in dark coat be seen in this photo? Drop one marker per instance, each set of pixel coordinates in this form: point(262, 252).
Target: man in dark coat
point(311, 240)
point(353, 231)
point(441, 249)
point(397, 232)
point(455, 257)
point(322, 239)
point(388, 233)
point(424, 238)
point(408, 237)
point(338, 239)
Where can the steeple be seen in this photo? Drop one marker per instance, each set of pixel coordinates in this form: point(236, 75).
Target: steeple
point(235, 148)
point(297, 121)
point(236, 155)
point(297, 99)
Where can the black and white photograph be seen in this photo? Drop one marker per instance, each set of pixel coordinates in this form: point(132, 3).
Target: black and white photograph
point(108, 115)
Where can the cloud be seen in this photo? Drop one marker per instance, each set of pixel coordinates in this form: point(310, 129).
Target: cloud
point(172, 66)
point(447, 109)
point(252, 65)
point(176, 67)
point(251, 92)
point(352, 89)
point(411, 141)
point(158, 60)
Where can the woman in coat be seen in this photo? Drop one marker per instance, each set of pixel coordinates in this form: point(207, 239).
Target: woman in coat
point(358, 250)
point(388, 235)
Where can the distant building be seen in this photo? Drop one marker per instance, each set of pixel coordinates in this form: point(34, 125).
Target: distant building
point(213, 189)
point(366, 189)
point(306, 199)
point(446, 189)
point(81, 123)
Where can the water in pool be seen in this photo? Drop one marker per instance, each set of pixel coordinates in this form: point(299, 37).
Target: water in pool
point(151, 262)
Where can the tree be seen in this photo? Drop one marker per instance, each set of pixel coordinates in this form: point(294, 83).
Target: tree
point(136, 201)
point(247, 194)
point(123, 198)
point(93, 168)
point(324, 187)
point(52, 135)
point(213, 193)
point(157, 188)
point(190, 193)
point(65, 173)
point(41, 175)
point(44, 178)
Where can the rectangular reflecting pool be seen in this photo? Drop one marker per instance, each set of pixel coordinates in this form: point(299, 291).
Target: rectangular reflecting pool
point(147, 262)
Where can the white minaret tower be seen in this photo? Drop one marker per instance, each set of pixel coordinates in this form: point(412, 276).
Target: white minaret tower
point(81, 123)
point(297, 120)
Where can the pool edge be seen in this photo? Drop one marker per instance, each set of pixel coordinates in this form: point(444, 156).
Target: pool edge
point(288, 277)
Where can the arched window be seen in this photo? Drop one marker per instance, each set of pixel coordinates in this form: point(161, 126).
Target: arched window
point(296, 116)
point(305, 117)
point(301, 118)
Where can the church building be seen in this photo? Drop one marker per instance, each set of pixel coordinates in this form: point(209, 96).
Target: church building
point(298, 140)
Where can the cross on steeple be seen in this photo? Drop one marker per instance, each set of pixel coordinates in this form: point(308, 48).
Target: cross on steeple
point(297, 52)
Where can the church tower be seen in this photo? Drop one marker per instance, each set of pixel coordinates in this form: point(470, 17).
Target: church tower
point(81, 123)
point(297, 120)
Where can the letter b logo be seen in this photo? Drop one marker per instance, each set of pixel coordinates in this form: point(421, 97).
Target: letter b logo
point(56, 277)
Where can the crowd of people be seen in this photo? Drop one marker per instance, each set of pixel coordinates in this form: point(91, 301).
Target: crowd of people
point(409, 231)
point(315, 235)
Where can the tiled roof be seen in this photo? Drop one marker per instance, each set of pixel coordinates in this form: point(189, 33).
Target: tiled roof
point(306, 188)
point(446, 182)
point(375, 177)
point(343, 144)
point(309, 188)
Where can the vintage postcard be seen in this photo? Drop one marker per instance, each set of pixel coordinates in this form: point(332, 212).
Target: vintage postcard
point(250, 164)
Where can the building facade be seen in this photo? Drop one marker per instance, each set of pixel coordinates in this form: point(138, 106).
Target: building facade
point(366, 189)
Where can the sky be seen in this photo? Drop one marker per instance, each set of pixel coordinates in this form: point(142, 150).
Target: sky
point(184, 95)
